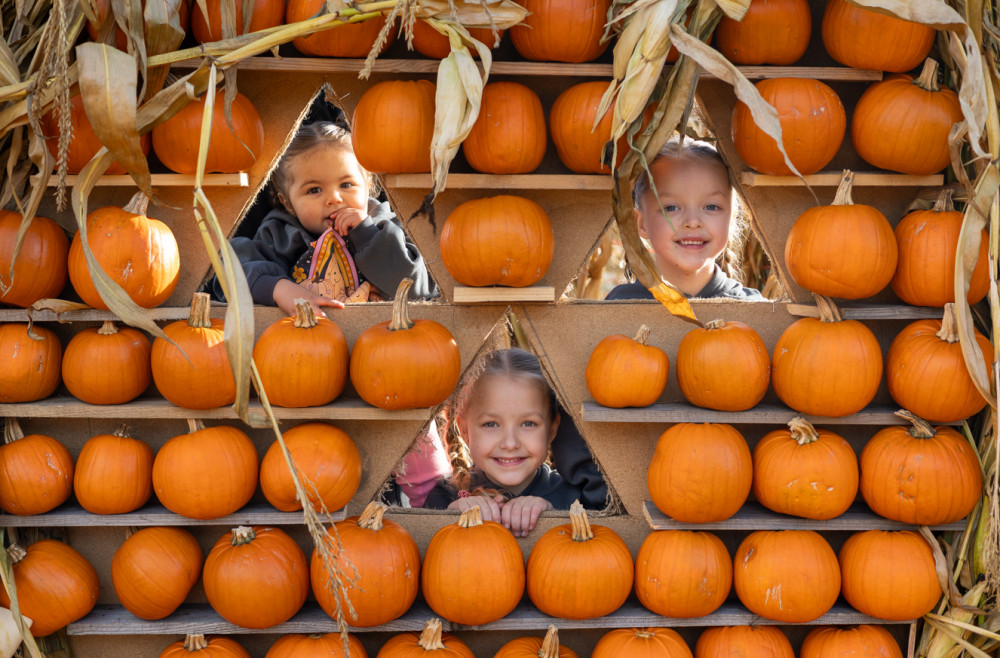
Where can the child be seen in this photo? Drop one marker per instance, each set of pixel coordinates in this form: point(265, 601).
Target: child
point(690, 225)
point(329, 243)
point(508, 418)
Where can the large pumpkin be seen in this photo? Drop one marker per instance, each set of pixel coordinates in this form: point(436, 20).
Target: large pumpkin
point(85, 143)
point(137, 252)
point(579, 571)
point(771, 32)
point(561, 30)
point(206, 646)
point(36, 472)
point(536, 647)
point(256, 577)
point(473, 571)
point(40, 270)
point(265, 14)
point(920, 474)
point(392, 126)
point(176, 141)
point(509, 134)
point(429, 643)
point(154, 569)
point(863, 641)
point(684, 574)
point(864, 39)
point(627, 372)
point(32, 356)
point(826, 366)
point(114, 473)
point(700, 472)
point(731, 641)
point(578, 133)
point(845, 249)
point(325, 645)
point(403, 363)
point(723, 365)
point(351, 40)
point(328, 463)
point(387, 561)
point(641, 643)
point(791, 576)
point(813, 124)
point(107, 364)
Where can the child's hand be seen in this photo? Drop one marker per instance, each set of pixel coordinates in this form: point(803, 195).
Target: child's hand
point(489, 508)
point(287, 291)
point(520, 515)
point(347, 218)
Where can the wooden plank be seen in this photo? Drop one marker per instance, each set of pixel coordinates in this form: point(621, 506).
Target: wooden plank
point(503, 181)
point(153, 514)
point(871, 312)
point(502, 295)
point(163, 313)
point(165, 180)
point(835, 73)
point(754, 516)
point(832, 179)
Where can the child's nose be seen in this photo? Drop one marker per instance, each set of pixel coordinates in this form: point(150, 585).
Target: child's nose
point(510, 440)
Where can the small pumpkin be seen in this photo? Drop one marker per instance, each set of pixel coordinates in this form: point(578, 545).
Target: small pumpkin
point(641, 643)
point(350, 40)
point(862, 641)
point(114, 473)
point(772, 32)
point(756, 641)
point(536, 647)
point(317, 645)
point(684, 574)
point(206, 646)
point(40, 270)
point(429, 643)
point(509, 135)
point(627, 372)
point(392, 126)
point(723, 365)
point(85, 143)
point(32, 361)
point(561, 30)
point(264, 14)
point(36, 472)
point(122, 356)
point(430, 43)
point(864, 39)
point(154, 569)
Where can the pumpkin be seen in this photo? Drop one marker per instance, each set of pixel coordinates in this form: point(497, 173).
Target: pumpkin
point(641, 643)
point(926, 372)
point(509, 135)
point(473, 571)
point(928, 243)
point(813, 124)
point(430, 43)
point(700, 472)
point(36, 472)
point(920, 474)
point(826, 366)
point(403, 363)
point(122, 359)
point(429, 643)
point(845, 249)
point(40, 270)
point(326, 645)
point(302, 360)
point(756, 641)
point(137, 252)
point(192, 369)
point(265, 14)
point(392, 126)
point(536, 647)
point(579, 571)
point(256, 577)
point(84, 144)
point(387, 561)
point(206, 473)
point(154, 569)
point(723, 365)
point(901, 124)
point(561, 30)
point(349, 40)
point(627, 372)
point(32, 358)
point(863, 641)
point(889, 574)
point(206, 646)
point(771, 32)
point(114, 473)
point(502, 240)
point(328, 464)
point(791, 576)
point(578, 133)
point(55, 584)
point(864, 39)
point(680, 573)
point(231, 149)
point(178, 8)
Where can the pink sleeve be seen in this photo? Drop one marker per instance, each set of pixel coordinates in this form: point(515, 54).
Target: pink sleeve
point(423, 465)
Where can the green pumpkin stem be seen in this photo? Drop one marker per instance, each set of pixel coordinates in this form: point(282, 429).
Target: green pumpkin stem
point(550, 645)
point(921, 428)
point(471, 517)
point(243, 534)
point(195, 642)
point(400, 315)
point(430, 637)
point(944, 202)
point(949, 325)
point(371, 517)
point(108, 328)
point(198, 317)
point(802, 430)
point(12, 431)
point(828, 311)
point(16, 553)
point(579, 522)
point(642, 336)
point(843, 196)
point(305, 316)
point(715, 324)
point(138, 204)
point(928, 76)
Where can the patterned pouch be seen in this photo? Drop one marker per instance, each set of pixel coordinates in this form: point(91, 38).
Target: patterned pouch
point(331, 270)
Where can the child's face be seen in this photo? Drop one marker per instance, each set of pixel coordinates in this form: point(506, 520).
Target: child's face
point(698, 199)
point(508, 426)
point(323, 181)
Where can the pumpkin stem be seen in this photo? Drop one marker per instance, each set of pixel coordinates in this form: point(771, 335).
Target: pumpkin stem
point(580, 523)
point(371, 517)
point(843, 196)
point(645, 633)
point(928, 76)
point(944, 201)
point(243, 534)
point(107, 329)
point(828, 311)
point(305, 316)
point(12, 431)
point(195, 425)
point(949, 324)
point(921, 428)
point(430, 637)
point(16, 553)
point(198, 317)
point(642, 336)
point(122, 431)
point(550, 645)
point(195, 642)
point(715, 324)
point(470, 518)
point(400, 315)
point(802, 430)
point(137, 205)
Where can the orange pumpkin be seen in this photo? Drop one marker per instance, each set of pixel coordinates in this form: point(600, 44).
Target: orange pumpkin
point(392, 126)
point(771, 32)
point(723, 365)
point(429, 643)
point(36, 472)
point(577, 133)
point(561, 30)
point(863, 641)
point(40, 269)
point(265, 14)
point(509, 135)
point(536, 647)
point(627, 372)
point(114, 473)
point(84, 144)
point(32, 358)
point(123, 359)
point(326, 645)
point(328, 462)
point(679, 573)
point(430, 43)
point(351, 40)
point(206, 646)
point(641, 643)
point(154, 569)
point(756, 641)
point(864, 39)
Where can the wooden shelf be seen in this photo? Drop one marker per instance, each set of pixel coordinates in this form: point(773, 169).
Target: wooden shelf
point(159, 314)
point(754, 516)
point(71, 515)
point(502, 295)
point(762, 414)
point(164, 180)
point(832, 179)
point(504, 181)
point(871, 312)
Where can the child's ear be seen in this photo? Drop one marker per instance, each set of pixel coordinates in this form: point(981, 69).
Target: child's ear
point(555, 427)
point(283, 200)
point(640, 221)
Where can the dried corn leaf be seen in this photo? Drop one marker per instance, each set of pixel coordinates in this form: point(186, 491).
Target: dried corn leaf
point(7, 579)
point(734, 9)
point(162, 33)
point(957, 638)
point(10, 74)
point(499, 14)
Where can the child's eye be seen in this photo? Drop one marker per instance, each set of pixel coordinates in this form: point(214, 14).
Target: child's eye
point(671, 207)
point(529, 423)
point(314, 190)
point(490, 423)
point(347, 185)
point(713, 206)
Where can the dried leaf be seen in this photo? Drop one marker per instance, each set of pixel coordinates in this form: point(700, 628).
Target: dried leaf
point(162, 34)
point(7, 578)
point(57, 306)
point(734, 9)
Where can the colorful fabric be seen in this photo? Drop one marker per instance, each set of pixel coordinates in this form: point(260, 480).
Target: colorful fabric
point(328, 269)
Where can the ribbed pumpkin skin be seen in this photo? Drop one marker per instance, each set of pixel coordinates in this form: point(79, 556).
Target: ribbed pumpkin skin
point(509, 135)
point(154, 570)
point(56, 585)
point(392, 126)
point(203, 380)
point(328, 645)
point(258, 584)
point(734, 641)
point(889, 574)
point(920, 481)
point(622, 372)
point(344, 41)
point(723, 367)
point(31, 367)
point(36, 475)
point(579, 143)
point(561, 30)
point(218, 647)
point(324, 454)
point(813, 124)
point(231, 150)
point(772, 32)
point(266, 13)
point(114, 474)
point(430, 43)
point(864, 39)
point(529, 647)
point(864, 641)
point(405, 645)
point(123, 358)
point(683, 574)
point(641, 643)
point(85, 143)
point(700, 472)
point(790, 576)
point(501, 240)
point(302, 366)
point(40, 269)
point(207, 473)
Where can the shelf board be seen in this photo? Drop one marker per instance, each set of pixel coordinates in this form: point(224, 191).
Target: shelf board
point(164, 180)
point(754, 516)
point(762, 414)
point(499, 294)
point(504, 181)
point(159, 314)
point(832, 179)
point(154, 514)
point(871, 312)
